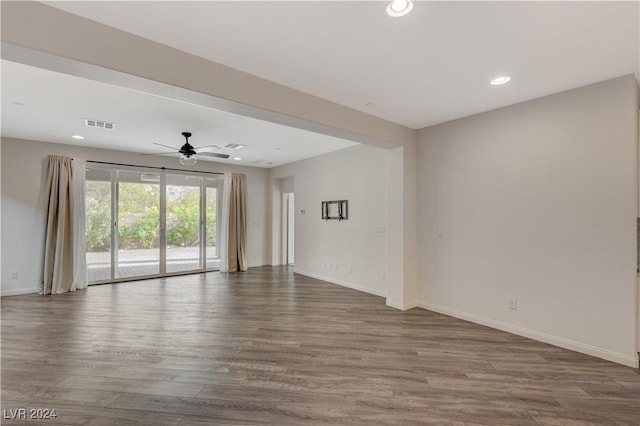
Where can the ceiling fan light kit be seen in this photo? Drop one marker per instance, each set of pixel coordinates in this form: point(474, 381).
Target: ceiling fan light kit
point(188, 160)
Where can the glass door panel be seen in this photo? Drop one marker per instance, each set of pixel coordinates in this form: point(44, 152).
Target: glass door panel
point(138, 224)
point(211, 213)
point(98, 224)
point(183, 223)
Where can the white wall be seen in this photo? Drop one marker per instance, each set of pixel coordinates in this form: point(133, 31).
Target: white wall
point(402, 224)
point(350, 253)
point(0, 216)
point(24, 166)
point(537, 202)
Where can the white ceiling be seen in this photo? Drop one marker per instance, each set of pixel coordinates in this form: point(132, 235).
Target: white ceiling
point(48, 106)
point(431, 66)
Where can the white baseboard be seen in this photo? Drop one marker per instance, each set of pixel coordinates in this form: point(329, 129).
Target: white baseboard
point(339, 282)
point(631, 361)
point(17, 291)
point(402, 306)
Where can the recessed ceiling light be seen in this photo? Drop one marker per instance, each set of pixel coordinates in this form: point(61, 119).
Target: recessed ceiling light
point(398, 8)
point(78, 137)
point(237, 158)
point(500, 80)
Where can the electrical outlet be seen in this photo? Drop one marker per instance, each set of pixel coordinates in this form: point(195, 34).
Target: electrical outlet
point(351, 269)
point(383, 276)
point(513, 304)
point(14, 275)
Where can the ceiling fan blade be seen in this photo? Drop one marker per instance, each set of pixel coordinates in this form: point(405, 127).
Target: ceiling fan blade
point(166, 146)
point(213, 154)
point(207, 146)
point(159, 153)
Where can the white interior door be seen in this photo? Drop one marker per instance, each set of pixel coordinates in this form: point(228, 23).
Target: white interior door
point(290, 227)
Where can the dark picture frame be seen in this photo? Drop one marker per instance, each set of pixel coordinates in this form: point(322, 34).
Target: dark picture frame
point(335, 210)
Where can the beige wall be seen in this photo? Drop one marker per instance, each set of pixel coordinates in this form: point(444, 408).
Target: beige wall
point(23, 174)
point(538, 202)
point(352, 253)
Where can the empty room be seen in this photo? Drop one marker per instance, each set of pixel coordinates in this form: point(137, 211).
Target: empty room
point(320, 213)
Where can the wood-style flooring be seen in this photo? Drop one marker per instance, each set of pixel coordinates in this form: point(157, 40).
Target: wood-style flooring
point(269, 347)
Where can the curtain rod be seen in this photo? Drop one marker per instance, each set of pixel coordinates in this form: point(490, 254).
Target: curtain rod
point(154, 167)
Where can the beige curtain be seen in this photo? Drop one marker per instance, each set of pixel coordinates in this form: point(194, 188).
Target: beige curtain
point(64, 262)
point(237, 244)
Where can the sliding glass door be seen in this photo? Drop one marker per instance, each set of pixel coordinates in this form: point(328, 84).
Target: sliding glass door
point(184, 223)
point(142, 224)
point(98, 210)
point(137, 224)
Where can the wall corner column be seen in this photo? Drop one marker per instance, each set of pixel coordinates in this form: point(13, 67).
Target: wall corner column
point(402, 227)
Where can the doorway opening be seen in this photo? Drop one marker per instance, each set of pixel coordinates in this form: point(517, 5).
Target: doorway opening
point(289, 227)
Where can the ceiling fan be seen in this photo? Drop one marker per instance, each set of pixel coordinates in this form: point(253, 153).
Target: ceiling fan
point(188, 154)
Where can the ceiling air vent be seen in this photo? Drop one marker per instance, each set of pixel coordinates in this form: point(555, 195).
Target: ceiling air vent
point(99, 124)
point(234, 145)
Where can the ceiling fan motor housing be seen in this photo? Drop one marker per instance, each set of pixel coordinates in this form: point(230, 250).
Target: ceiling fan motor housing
point(187, 150)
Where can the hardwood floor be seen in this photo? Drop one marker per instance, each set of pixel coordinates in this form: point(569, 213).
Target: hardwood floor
point(268, 347)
